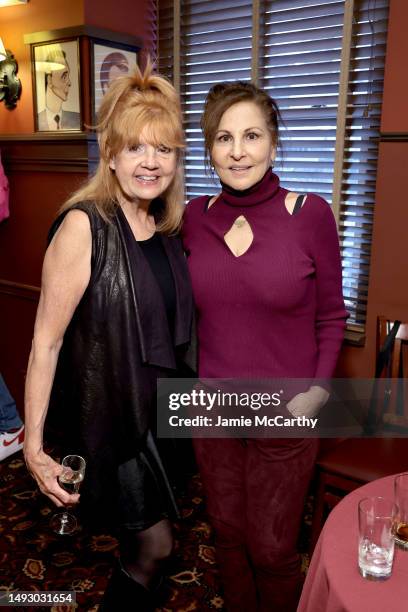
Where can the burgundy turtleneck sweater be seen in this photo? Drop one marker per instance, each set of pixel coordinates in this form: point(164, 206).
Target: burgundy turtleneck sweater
point(277, 311)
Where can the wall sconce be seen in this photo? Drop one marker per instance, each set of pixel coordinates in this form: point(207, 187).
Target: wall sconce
point(12, 2)
point(10, 85)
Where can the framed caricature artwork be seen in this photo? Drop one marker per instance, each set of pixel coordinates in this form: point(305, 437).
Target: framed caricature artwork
point(109, 61)
point(71, 71)
point(56, 80)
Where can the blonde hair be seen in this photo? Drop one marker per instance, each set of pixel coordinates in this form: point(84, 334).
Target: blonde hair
point(136, 102)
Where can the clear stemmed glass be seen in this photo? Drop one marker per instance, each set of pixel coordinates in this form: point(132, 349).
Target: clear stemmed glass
point(65, 523)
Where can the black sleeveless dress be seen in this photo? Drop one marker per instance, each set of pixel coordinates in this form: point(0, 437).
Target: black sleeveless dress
point(145, 493)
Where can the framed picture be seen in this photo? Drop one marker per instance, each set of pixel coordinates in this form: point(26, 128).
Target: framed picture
point(56, 82)
point(71, 71)
point(108, 62)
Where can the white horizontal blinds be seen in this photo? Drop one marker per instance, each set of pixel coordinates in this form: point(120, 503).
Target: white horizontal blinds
point(216, 41)
point(166, 37)
point(361, 150)
point(300, 69)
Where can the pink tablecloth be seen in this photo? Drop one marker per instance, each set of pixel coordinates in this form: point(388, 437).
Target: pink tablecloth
point(333, 582)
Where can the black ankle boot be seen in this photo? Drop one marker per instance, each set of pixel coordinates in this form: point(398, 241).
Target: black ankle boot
point(123, 594)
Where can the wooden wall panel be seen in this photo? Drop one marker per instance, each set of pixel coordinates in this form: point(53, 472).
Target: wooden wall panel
point(41, 173)
point(394, 117)
point(388, 286)
point(18, 305)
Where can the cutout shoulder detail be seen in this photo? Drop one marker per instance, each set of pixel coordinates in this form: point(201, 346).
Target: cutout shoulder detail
point(294, 202)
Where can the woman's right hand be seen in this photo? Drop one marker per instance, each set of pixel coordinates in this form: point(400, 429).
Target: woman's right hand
point(45, 471)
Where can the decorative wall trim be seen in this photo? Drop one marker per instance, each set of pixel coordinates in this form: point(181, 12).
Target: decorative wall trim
point(52, 153)
point(256, 19)
point(176, 44)
point(19, 290)
point(83, 30)
point(338, 175)
point(394, 137)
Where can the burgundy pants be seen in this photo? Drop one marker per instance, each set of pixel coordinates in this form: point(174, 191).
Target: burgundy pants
point(255, 491)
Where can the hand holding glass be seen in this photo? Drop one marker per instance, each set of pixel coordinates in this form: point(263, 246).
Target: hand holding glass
point(65, 523)
point(377, 519)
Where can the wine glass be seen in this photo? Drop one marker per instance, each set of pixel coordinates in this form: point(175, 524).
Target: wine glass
point(401, 499)
point(65, 523)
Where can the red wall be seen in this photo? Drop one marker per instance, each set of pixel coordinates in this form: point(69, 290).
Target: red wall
point(395, 101)
point(137, 17)
point(388, 285)
point(35, 201)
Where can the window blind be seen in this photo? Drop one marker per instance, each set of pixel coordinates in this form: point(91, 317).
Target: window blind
point(215, 46)
point(300, 69)
point(363, 116)
point(166, 34)
point(299, 52)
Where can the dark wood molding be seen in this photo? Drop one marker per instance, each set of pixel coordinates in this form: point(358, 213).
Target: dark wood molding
point(42, 152)
point(19, 290)
point(394, 137)
point(355, 335)
point(48, 137)
point(83, 30)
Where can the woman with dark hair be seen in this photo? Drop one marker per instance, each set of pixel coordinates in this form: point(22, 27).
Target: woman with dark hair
point(114, 64)
point(266, 275)
point(114, 315)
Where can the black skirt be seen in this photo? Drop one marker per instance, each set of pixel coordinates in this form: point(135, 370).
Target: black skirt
point(145, 493)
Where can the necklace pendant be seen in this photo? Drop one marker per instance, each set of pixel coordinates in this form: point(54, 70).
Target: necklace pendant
point(239, 222)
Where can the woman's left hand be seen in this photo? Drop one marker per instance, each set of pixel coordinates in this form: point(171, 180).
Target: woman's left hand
point(309, 403)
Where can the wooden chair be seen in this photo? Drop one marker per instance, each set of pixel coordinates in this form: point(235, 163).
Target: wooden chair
point(354, 462)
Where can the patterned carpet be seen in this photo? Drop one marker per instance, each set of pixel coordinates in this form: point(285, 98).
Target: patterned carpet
point(33, 558)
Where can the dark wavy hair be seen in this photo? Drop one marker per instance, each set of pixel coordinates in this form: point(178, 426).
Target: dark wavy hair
point(224, 95)
point(113, 59)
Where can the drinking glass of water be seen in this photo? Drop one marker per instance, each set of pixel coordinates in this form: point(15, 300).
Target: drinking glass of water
point(377, 521)
point(401, 499)
point(65, 523)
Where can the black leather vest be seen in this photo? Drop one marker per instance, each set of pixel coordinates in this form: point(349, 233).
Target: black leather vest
point(116, 346)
